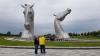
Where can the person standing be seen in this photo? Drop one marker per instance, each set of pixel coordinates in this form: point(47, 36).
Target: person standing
point(42, 42)
point(36, 44)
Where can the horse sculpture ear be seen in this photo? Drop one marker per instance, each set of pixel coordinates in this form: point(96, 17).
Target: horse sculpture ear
point(69, 10)
point(32, 6)
point(23, 6)
point(54, 14)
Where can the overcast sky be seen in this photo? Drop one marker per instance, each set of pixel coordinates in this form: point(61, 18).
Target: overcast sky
point(85, 15)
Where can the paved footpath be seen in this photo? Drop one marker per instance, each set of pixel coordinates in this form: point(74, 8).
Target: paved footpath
point(50, 52)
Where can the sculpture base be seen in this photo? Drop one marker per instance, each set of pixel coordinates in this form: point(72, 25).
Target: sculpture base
point(65, 39)
point(63, 36)
point(26, 36)
point(21, 39)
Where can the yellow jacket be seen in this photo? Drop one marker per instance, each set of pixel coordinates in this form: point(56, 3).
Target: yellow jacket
point(42, 40)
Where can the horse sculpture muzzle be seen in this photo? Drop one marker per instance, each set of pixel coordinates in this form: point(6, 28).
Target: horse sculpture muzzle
point(27, 26)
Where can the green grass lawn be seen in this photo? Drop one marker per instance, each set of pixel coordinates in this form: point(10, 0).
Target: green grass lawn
point(54, 44)
point(86, 37)
point(73, 44)
point(15, 43)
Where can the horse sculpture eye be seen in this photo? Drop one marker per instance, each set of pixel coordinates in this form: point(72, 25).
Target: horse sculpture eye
point(24, 12)
point(30, 12)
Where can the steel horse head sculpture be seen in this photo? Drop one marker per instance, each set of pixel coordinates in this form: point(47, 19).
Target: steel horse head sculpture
point(57, 23)
point(29, 21)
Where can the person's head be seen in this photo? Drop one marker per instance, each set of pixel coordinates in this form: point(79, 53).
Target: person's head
point(41, 35)
point(35, 36)
point(38, 36)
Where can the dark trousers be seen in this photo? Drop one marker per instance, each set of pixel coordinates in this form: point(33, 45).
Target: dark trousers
point(42, 48)
point(36, 49)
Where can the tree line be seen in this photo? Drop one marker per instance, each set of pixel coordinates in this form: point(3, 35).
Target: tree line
point(11, 34)
point(92, 33)
point(52, 36)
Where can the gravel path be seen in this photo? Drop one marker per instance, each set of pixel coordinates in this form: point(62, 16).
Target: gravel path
point(50, 52)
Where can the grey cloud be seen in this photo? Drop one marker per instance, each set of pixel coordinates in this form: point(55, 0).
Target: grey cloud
point(83, 26)
point(84, 15)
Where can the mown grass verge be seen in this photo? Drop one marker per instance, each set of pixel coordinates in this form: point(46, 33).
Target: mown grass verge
point(74, 44)
point(50, 43)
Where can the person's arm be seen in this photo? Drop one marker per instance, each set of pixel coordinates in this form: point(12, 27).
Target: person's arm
point(45, 40)
point(34, 41)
